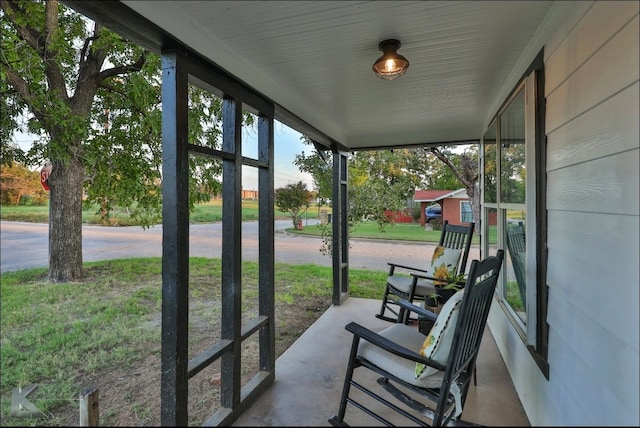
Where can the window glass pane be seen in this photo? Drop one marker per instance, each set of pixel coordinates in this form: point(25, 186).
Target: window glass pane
point(466, 216)
point(490, 231)
point(512, 152)
point(515, 261)
point(490, 158)
point(504, 207)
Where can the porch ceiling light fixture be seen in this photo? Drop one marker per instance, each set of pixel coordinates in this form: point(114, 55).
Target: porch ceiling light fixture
point(390, 65)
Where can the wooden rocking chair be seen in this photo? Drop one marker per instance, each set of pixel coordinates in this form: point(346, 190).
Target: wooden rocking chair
point(417, 283)
point(426, 381)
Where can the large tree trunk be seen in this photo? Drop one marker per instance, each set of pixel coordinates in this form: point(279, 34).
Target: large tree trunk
point(474, 196)
point(65, 221)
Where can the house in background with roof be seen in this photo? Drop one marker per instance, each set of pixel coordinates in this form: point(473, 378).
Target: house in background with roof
point(455, 204)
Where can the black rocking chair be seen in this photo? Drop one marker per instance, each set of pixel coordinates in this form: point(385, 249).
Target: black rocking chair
point(441, 380)
point(418, 284)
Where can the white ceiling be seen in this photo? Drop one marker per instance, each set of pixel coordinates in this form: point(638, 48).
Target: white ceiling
point(314, 59)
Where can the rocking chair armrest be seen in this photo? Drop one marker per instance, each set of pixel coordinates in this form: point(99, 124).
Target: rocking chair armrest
point(390, 346)
point(422, 312)
point(396, 265)
point(431, 278)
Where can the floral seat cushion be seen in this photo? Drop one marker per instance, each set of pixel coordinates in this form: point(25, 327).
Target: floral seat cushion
point(437, 344)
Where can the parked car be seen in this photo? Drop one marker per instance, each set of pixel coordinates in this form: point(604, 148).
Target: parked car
point(432, 211)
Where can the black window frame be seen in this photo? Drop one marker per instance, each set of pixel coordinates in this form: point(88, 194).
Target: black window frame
point(540, 349)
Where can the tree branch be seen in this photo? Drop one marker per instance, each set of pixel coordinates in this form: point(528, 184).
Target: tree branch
point(91, 62)
point(40, 42)
point(13, 12)
point(52, 69)
point(91, 55)
point(111, 88)
point(50, 24)
point(124, 69)
point(85, 46)
point(469, 175)
point(21, 87)
point(437, 153)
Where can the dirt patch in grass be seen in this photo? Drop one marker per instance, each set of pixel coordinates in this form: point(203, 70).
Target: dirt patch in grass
point(129, 395)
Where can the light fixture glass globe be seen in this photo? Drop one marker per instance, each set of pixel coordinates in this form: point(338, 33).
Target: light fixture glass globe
point(390, 65)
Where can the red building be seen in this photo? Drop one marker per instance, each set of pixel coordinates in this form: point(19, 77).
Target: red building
point(455, 204)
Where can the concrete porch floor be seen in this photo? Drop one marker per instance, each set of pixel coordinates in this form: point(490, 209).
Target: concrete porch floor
point(310, 374)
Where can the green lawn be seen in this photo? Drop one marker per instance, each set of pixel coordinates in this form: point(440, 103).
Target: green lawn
point(59, 335)
point(49, 330)
point(212, 212)
point(203, 213)
point(371, 230)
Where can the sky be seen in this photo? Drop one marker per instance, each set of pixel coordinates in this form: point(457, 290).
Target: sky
point(287, 145)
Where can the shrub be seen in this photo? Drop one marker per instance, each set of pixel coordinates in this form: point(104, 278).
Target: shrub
point(436, 223)
point(417, 210)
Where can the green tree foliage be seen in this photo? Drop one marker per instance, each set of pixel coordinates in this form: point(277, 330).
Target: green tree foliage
point(512, 173)
point(19, 186)
point(93, 99)
point(377, 181)
point(387, 179)
point(380, 180)
point(318, 163)
point(294, 199)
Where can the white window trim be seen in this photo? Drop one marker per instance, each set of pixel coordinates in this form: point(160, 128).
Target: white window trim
point(531, 232)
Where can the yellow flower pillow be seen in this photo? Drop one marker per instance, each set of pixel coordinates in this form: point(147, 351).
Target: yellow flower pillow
point(444, 263)
point(437, 344)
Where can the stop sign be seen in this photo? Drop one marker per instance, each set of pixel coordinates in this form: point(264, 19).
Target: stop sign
point(44, 175)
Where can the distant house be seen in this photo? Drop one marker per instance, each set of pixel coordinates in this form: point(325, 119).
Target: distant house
point(455, 204)
point(250, 194)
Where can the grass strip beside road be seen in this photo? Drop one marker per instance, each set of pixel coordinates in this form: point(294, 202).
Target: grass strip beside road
point(393, 231)
point(371, 230)
point(203, 213)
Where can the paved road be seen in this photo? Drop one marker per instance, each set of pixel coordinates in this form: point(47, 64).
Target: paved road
point(25, 245)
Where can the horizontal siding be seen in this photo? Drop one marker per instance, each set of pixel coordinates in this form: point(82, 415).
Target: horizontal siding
point(604, 185)
point(559, 25)
point(593, 162)
point(593, 158)
point(601, 276)
point(592, 288)
point(584, 395)
point(609, 70)
point(577, 49)
point(611, 127)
